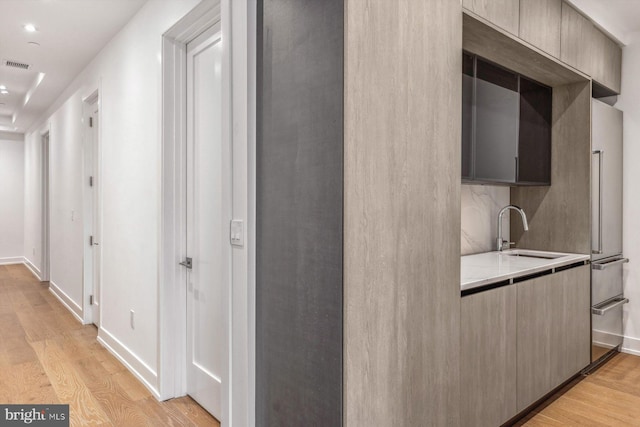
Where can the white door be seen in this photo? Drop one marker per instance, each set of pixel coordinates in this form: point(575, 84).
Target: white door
point(208, 221)
point(92, 211)
point(45, 262)
point(95, 212)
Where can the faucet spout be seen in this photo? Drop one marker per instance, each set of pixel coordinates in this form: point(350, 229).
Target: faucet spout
point(500, 243)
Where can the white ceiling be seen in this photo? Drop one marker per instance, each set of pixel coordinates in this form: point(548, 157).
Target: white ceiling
point(70, 34)
point(620, 18)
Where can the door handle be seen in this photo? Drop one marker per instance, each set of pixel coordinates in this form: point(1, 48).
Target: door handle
point(188, 262)
point(605, 265)
point(601, 310)
point(600, 154)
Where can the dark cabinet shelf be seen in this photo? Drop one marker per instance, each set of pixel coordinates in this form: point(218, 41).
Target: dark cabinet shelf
point(506, 126)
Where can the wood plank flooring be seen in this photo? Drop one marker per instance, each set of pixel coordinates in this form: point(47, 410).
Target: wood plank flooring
point(47, 356)
point(608, 397)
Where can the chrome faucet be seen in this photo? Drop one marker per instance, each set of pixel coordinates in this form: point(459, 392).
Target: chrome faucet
point(500, 243)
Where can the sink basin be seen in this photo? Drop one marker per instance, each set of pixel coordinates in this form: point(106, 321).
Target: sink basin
point(532, 254)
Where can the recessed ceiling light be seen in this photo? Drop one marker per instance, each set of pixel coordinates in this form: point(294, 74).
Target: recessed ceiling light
point(4, 91)
point(3, 87)
point(30, 28)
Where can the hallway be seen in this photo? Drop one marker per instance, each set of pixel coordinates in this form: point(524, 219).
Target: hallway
point(47, 356)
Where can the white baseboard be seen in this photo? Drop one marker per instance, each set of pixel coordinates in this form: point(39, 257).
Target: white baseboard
point(631, 346)
point(12, 260)
point(74, 308)
point(139, 368)
point(32, 267)
point(609, 340)
point(605, 339)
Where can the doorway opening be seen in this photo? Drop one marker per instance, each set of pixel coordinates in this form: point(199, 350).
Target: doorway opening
point(45, 213)
point(92, 210)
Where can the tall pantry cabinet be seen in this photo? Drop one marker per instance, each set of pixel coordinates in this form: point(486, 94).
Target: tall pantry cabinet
point(358, 175)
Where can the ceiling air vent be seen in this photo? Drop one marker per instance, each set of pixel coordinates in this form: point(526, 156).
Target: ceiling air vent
point(16, 64)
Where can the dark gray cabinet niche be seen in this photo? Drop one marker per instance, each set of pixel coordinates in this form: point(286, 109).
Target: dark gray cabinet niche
point(506, 126)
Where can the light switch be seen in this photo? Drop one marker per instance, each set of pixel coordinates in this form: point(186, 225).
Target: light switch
point(237, 232)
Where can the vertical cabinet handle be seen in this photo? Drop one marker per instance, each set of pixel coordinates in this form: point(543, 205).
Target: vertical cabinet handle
point(600, 154)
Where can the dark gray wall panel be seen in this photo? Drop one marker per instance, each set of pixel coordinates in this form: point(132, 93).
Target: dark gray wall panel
point(299, 213)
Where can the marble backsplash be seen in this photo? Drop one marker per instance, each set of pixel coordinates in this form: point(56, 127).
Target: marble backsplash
point(480, 207)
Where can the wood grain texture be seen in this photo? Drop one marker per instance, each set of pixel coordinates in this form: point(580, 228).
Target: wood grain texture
point(559, 216)
point(46, 356)
point(576, 39)
point(402, 212)
point(488, 357)
point(608, 397)
point(606, 61)
point(575, 322)
point(488, 41)
point(553, 338)
point(540, 24)
point(503, 13)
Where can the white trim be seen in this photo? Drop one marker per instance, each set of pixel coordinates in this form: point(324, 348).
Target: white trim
point(171, 292)
point(32, 267)
point(73, 307)
point(252, 59)
point(11, 260)
point(631, 346)
point(141, 370)
point(243, 91)
point(92, 98)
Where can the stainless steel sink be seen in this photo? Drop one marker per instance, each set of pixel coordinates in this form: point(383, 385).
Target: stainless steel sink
point(532, 254)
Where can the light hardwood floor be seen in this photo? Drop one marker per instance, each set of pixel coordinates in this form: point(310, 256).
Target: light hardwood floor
point(608, 397)
point(47, 356)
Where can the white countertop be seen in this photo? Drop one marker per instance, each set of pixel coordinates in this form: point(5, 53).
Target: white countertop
point(491, 267)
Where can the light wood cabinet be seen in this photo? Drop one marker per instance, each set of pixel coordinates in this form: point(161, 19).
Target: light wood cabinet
point(400, 358)
point(575, 39)
point(488, 357)
point(540, 24)
point(504, 13)
point(606, 61)
point(553, 332)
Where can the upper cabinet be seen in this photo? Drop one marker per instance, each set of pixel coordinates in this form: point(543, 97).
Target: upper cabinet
point(556, 29)
point(540, 24)
point(606, 61)
point(504, 13)
point(586, 48)
point(575, 45)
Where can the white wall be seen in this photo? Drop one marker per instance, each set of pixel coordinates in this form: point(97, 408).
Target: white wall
point(128, 74)
point(479, 220)
point(11, 197)
point(629, 103)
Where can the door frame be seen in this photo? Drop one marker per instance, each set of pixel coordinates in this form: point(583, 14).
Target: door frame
point(45, 200)
point(238, 23)
point(90, 200)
